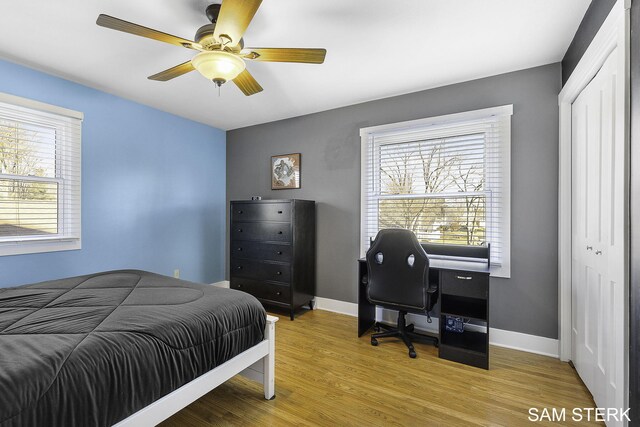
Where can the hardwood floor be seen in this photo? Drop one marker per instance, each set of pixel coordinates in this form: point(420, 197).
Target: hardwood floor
point(327, 376)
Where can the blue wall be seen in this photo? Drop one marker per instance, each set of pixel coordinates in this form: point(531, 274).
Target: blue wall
point(153, 188)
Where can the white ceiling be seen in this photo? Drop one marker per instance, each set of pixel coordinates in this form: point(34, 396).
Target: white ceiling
point(376, 49)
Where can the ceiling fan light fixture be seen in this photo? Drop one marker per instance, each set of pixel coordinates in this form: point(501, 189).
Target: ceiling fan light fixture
point(218, 65)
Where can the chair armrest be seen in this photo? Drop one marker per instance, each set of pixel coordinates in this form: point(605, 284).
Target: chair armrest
point(432, 296)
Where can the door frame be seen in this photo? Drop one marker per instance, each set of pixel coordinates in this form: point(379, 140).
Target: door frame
point(634, 211)
point(613, 34)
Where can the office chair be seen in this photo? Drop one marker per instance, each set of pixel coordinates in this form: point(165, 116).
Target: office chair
point(398, 279)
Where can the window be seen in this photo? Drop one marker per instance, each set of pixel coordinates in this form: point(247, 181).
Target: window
point(445, 178)
point(39, 177)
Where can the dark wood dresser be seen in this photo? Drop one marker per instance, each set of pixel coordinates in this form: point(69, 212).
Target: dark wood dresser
point(273, 251)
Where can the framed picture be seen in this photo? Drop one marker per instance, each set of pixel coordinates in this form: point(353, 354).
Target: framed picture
point(285, 171)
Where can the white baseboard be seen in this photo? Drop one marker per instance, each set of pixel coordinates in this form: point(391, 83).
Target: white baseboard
point(222, 284)
point(524, 342)
point(498, 337)
point(342, 307)
point(391, 317)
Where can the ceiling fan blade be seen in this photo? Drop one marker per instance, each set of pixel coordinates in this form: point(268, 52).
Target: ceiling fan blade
point(247, 84)
point(233, 20)
point(131, 28)
point(307, 56)
point(173, 72)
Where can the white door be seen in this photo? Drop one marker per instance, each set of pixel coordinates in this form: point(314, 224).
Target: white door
point(598, 240)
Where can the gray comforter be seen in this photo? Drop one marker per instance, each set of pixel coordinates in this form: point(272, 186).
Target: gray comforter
point(92, 350)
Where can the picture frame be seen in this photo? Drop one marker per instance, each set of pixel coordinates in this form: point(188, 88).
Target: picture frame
point(286, 171)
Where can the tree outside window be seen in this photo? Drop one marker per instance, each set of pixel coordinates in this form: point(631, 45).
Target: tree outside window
point(28, 183)
point(435, 188)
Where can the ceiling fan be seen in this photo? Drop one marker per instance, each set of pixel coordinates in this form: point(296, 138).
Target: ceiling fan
point(221, 49)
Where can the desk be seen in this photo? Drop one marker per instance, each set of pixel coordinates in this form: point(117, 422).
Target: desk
point(463, 292)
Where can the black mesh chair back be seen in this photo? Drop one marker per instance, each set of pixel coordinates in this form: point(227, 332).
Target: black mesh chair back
point(398, 271)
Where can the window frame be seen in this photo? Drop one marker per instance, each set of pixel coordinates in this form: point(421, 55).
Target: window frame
point(501, 269)
point(69, 235)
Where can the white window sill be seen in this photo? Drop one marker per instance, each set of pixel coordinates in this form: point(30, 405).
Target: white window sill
point(38, 246)
point(501, 271)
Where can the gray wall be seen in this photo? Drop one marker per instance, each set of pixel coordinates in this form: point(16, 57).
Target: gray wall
point(589, 26)
point(330, 145)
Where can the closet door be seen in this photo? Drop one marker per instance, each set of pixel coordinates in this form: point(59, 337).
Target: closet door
point(598, 307)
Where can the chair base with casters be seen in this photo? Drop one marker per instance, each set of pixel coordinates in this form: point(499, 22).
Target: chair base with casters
point(404, 332)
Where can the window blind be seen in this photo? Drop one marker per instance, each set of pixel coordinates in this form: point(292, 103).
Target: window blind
point(446, 180)
point(40, 181)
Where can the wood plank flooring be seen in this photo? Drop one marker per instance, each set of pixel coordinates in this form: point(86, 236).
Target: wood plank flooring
point(327, 376)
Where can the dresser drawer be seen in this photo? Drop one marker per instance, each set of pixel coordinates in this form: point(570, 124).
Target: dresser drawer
point(261, 212)
point(465, 284)
point(261, 251)
point(265, 291)
point(261, 231)
point(260, 270)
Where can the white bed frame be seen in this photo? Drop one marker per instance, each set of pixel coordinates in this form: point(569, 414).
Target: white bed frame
point(256, 363)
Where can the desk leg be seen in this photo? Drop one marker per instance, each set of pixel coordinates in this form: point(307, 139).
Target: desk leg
point(366, 310)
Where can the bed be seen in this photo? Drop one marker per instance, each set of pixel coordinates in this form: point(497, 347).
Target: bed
point(124, 348)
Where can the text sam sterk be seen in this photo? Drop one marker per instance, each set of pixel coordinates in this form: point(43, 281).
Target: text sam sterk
point(579, 414)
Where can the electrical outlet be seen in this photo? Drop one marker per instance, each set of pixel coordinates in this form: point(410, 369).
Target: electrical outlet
point(176, 273)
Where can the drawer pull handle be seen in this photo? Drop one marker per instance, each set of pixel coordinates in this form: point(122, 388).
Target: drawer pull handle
point(464, 277)
point(279, 232)
point(279, 252)
point(278, 293)
point(279, 212)
point(240, 249)
point(279, 273)
point(240, 212)
point(239, 286)
point(239, 267)
point(239, 230)
point(598, 252)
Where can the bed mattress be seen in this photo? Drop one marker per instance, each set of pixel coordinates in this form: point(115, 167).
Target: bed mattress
point(92, 350)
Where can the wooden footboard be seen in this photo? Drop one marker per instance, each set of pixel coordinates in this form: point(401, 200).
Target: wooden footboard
point(256, 363)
